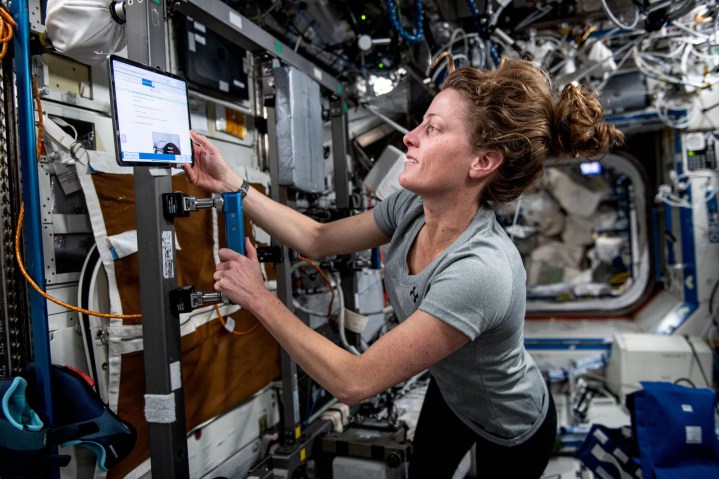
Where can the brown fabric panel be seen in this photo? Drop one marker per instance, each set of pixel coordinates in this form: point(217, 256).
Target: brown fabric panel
point(117, 201)
point(219, 369)
point(195, 262)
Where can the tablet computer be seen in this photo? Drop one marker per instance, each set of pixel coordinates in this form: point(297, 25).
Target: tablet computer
point(150, 114)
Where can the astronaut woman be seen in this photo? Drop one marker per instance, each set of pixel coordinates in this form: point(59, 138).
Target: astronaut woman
point(455, 280)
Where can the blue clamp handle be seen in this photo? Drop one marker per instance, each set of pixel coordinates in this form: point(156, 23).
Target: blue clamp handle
point(234, 222)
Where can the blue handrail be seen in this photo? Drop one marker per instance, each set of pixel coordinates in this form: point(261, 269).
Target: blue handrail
point(31, 196)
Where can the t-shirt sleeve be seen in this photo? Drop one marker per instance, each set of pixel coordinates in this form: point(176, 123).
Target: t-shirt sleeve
point(471, 294)
point(389, 212)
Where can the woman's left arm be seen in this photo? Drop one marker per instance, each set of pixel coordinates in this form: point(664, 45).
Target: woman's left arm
point(413, 346)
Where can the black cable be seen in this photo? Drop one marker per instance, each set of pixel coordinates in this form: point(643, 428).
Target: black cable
point(701, 368)
point(699, 363)
point(711, 301)
point(709, 108)
point(685, 380)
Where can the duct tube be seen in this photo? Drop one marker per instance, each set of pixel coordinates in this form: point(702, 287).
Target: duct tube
point(86, 30)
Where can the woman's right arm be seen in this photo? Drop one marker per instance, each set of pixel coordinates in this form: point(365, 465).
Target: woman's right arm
point(285, 225)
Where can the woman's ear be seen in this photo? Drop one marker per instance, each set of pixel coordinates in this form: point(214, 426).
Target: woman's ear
point(485, 163)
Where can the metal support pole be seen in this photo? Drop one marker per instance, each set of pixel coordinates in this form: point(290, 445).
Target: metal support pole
point(145, 31)
point(339, 154)
point(338, 117)
point(228, 23)
point(290, 389)
point(156, 249)
point(160, 330)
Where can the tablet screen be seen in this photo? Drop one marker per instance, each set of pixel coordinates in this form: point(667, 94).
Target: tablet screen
point(151, 115)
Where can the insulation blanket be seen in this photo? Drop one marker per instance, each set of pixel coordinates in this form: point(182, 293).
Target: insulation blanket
point(219, 369)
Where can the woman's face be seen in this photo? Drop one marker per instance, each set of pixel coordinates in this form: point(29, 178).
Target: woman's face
point(438, 151)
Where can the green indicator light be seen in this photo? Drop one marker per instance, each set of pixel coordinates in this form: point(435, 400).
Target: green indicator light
point(157, 1)
point(344, 107)
point(381, 65)
point(278, 47)
point(339, 88)
point(690, 153)
point(364, 17)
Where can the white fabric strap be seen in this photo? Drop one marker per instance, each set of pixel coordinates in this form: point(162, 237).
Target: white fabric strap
point(53, 130)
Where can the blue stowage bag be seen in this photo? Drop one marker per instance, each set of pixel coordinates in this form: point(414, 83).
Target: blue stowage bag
point(607, 452)
point(673, 427)
point(80, 419)
point(23, 437)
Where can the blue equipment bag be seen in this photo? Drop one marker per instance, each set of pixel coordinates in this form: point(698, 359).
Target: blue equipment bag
point(606, 452)
point(673, 427)
point(23, 437)
point(81, 419)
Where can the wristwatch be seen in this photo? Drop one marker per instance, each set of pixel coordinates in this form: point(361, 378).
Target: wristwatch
point(244, 188)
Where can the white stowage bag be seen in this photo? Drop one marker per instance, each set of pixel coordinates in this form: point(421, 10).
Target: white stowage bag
point(84, 30)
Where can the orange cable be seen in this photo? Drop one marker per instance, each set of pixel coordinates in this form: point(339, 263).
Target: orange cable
point(327, 280)
point(6, 29)
point(238, 333)
point(18, 230)
point(43, 293)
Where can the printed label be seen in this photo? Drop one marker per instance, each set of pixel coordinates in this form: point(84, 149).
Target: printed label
point(694, 434)
point(168, 260)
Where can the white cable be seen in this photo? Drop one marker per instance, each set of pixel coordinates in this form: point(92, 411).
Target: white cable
point(614, 19)
point(651, 71)
point(586, 71)
point(340, 313)
point(296, 304)
point(665, 105)
point(495, 16)
point(453, 38)
point(295, 266)
point(534, 16)
point(619, 66)
point(664, 195)
point(448, 46)
point(341, 319)
point(690, 31)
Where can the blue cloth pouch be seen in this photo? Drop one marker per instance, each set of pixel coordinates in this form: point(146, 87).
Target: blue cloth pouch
point(673, 427)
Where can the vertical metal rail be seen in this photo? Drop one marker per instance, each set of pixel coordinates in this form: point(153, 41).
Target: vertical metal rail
point(31, 196)
point(222, 19)
point(15, 336)
point(290, 389)
point(156, 249)
point(160, 330)
point(6, 236)
point(33, 224)
point(338, 118)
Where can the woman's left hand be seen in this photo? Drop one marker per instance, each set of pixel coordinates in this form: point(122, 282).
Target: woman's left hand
point(239, 277)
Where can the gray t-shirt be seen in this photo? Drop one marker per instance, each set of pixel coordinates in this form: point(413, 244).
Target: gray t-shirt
point(476, 285)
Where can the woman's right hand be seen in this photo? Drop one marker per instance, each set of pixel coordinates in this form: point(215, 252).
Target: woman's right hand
point(210, 170)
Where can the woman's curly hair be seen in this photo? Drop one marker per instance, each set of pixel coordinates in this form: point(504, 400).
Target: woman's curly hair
point(516, 110)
